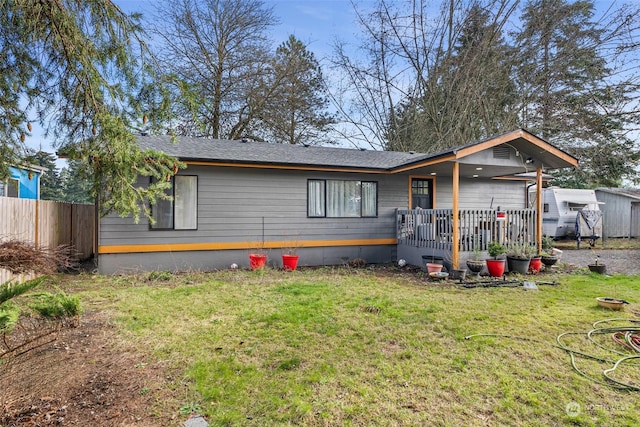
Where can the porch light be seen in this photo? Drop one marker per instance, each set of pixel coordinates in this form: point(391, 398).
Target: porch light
point(476, 175)
point(479, 168)
point(432, 173)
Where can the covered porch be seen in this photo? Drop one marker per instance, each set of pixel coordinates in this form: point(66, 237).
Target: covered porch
point(470, 183)
point(438, 233)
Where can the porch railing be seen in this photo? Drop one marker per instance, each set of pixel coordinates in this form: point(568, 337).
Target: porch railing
point(433, 228)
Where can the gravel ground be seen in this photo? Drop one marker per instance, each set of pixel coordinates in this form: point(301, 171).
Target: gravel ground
point(623, 261)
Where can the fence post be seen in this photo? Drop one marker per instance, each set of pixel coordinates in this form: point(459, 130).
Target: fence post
point(36, 240)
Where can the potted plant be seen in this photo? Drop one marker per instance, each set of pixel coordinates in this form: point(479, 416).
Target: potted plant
point(475, 264)
point(454, 273)
point(257, 257)
point(433, 267)
point(596, 267)
point(518, 257)
point(548, 256)
point(289, 256)
point(535, 264)
point(495, 265)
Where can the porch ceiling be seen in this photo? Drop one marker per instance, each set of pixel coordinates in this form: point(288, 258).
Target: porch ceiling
point(526, 153)
point(482, 171)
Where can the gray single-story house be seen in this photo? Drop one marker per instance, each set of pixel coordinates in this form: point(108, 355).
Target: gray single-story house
point(334, 205)
point(620, 211)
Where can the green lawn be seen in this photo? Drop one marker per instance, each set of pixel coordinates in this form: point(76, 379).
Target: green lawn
point(358, 347)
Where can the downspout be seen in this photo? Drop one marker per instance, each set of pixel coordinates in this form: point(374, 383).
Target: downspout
point(455, 250)
point(539, 209)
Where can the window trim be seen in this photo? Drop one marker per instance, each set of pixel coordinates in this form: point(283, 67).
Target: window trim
point(173, 206)
point(325, 198)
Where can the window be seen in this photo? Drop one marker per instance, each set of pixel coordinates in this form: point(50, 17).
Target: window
point(342, 199)
point(545, 207)
point(180, 213)
point(13, 188)
point(576, 206)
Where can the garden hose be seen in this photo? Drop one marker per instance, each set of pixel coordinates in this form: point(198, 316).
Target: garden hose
point(627, 337)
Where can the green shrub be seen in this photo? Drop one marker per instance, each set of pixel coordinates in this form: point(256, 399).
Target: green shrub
point(56, 305)
point(9, 290)
point(9, 314)
point(496, 249)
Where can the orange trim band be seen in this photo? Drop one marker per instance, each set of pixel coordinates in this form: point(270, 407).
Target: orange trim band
point(214, 246)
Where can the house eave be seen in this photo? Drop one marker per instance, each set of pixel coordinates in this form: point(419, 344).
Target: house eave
point(284, 166)
point(552, 157)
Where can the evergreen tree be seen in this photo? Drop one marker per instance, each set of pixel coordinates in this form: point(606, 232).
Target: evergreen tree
point(571, 96)
point(428, 84)
point(50, 184)
point(76, 186)
point(467, 95)
point(80, 65)
point(296, 112)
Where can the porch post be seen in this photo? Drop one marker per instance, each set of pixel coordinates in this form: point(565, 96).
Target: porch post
point(455, 238)
point(539, 209)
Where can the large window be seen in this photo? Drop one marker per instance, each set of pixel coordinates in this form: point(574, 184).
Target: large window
point(342, 199)
point(181, 212)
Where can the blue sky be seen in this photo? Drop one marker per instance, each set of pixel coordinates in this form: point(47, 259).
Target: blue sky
point(317, 23)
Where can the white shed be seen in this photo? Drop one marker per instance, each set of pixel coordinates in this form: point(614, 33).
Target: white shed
point(621, 211)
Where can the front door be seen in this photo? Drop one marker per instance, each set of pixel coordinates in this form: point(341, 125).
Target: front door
point(421, 193)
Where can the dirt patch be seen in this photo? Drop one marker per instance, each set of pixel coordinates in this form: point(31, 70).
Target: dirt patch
point(85, 378)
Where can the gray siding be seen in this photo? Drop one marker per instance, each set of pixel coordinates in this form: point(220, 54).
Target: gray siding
point(235, 205)
point(238, 205)
point(617, 215)
point(481, 194)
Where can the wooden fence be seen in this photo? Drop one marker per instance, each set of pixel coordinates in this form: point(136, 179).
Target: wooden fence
point(47, 224)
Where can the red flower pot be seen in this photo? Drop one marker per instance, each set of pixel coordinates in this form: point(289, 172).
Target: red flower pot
point(289, 262)
point(257, 261)
point(535, 265)
point(495, 267)
point(433, 267)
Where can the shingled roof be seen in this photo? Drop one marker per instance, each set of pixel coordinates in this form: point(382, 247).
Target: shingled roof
point(260, 153)
point(243, 153)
